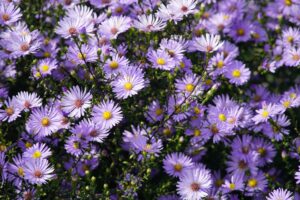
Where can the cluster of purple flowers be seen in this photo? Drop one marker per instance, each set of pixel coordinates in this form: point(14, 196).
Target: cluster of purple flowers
point(155, 86)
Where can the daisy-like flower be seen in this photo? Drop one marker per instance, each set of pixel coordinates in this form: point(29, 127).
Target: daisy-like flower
point(149, 23)
point(291, 36)
point(44, 121)
point(240, 31)
point(153, 146)
point(11, 112)
point(235, 183)
point(3, 167)
point(27, 100)
point(183, 7)
point(237, 73)
point(155, 112)
point(114, 26)
point(188, 85)
point(219, 22)
point(166, 13)
point(9, 14)
point(95, 132)
point(129, 83)
point(176, 164)
point(16, 169)
point(115, 64)
point(280, 194)
point(37, 151)
point(75, 146)
point(161, 60)
point(207, 43)
point(75, 101)
point(266, 112)
point(194, 184)
point(108, 114)
point(69, 27)
point(86, 53)
point(257, 182)
point(173, 48)
point(38, 171)
point(45, 67)
point(291, 56)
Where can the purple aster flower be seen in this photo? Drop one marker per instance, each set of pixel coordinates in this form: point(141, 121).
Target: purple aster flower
point(189, 85)
point(86, 53)
point(257, 182)
point(291, 36)
point(9, 14)
point(266, 151)
point(183, 7)
point(149, 23)
point(155, 112)
point(176, 164)
point(11, 112)
point(131, 138)
point(44, 67)
point(101, 3)
point(108, 114)
point(161, 60)
point(152, 146)
point(128, 83)
point(278, 129)
point(27, 101)
point(3, 167)
point(173, 48)
point(207, 43)
point(291, 56)
point(114, 26)
point(75, 102)
point(266, 112)
point(75, 146)
point(115, 65)
point(44, 121)
point(37, 151)
point(239, 166)
point(236, 183)
point(237, 73)
point(297, 175)
point(194, 184)
point(38, 171)
point(167, 14)
point(219, 22)
point(280, 194)
point(218, 64)
point(241, 31)
point(95, 131)
point(229, 50)
point(176, 108)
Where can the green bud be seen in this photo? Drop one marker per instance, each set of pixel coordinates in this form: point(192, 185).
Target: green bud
point(93, 179)
point(87, 172)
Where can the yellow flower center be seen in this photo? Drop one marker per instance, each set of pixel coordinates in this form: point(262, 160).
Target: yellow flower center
point(236, 73)
point(45, 68)
point(81, 56)
point(9, 111)
point(264, 114)
point(21, 171)
point(220, 64)
point(167, 131)
point(107, 115)
point(158, 111)
point(37, 154)
point(252, 182)
point(177, 167)
point(28, 144)
point(189, 87)
point(197, 132)
point(128, 86)
point(38, 74)
point(114, 65)
point(160, 61)
point(290, 39)
point(47, 54)
point(76, 145)
point(208, 82)
point(231, 186)
point(197, 110)
point(45, 121)
point(288, 2)
point(293, 95)
point(222, 117)
point(219, 182)
point(182, 65)
point(261, 151)
point(240, 32)
point(147, 147)
point(286, 104)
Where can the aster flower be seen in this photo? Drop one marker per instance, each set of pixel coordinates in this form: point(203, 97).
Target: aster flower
point(297, 175)
point(279, 194)
point(114, 26)
point(3, 167)
point(95, 132)
point(151, 147)
point(219, 64)
point(219, 22)
point(86, 53)
point(155, 112)
point(240, 31)
point(167, 14)
point(292, 56)
point(75, 146)
point(45, 67)
point(173, 48)
point(194, 184)
point(9, 14)
point(176, 164)
point(208, 43)
point(37, 151)
point(189, 85)
point(237, 73)
point(161, 60)
point(235, 183)
point(128, 83)
point(115, 65)
point(38, 171)
point(257, 182)
point(130, 138)
point(290, 36)
point(16, 168)
point(76, 101)
point(266, 151)
point(149, 23)
point(266, 112)
point(44, 121)
point(27, 100)
point(11, 112)
point(183, 7)
point(108, 114)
